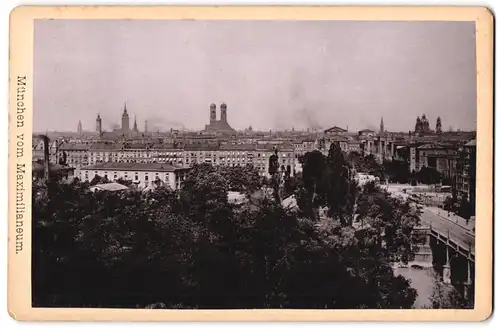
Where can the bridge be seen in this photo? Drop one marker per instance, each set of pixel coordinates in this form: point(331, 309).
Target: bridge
point(447, 244)
point(449, 248)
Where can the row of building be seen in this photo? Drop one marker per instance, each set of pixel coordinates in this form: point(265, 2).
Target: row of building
point(128, 154)
point(420, 152)
point(78, 155)
point(453, 159)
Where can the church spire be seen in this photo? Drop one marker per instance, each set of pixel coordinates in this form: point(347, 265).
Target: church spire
point(382, 125)
point(125, 120)
point(135, 123)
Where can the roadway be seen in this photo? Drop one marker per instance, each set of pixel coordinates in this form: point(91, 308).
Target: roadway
point(458, 234)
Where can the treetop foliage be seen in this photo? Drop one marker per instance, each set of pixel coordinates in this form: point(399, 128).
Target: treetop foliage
point(193, 249)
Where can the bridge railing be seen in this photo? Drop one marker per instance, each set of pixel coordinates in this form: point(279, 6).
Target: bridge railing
point(466, 250)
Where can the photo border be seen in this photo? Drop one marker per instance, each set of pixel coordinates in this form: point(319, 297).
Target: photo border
point(20, 143)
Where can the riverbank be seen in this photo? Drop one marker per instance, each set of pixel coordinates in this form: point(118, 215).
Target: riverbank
point(423, 281)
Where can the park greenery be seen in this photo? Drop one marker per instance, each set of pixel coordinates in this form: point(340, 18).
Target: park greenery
point(395, 171)
point(192, 248)
point(398, 171)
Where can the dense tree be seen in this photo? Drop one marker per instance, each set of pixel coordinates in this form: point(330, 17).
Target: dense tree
point(390, 220)
point(99, 180)
point(428, 175)
point(242, 179)
point(397, 171)
point(192, 249)
point(366, 164)
point(449, 204)
point(309, 192)
point(339, 188)
point(465, 209)
point(447, 297)
point(125, 182)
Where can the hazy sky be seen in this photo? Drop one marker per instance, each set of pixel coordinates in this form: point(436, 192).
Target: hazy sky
point(271, 74)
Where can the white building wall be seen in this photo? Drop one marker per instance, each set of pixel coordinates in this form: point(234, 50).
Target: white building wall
point(145, 178)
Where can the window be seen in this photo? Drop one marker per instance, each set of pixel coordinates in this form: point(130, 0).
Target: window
point(146, 178)
point(136, 177)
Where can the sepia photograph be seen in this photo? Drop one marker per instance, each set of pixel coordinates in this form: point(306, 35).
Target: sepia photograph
point(246, 164)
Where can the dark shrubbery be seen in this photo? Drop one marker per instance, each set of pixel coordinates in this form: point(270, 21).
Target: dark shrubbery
point(192, 249)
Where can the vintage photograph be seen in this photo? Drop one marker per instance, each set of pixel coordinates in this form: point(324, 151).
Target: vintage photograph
point(253, 164)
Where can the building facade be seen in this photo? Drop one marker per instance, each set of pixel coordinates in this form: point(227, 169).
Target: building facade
point(77, 154)
point(256, 155)
point(437, 156)
point(142, 175)
point(466, 172)
point(38, 150)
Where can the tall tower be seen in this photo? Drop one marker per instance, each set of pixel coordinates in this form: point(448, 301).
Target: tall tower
point(382, 125)
point(223, 112)
point(146, 126)
point(135, 125)
point(98, 124)
point(439, 130)
point(213, 113)
point(79, 128)
point(425, 124)
point(418, 125)
point(125, 120)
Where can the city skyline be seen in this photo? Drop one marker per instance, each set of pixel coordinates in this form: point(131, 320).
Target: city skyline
point(358, 73)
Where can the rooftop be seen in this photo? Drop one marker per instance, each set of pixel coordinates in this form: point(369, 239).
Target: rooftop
point(134, 166)
point(238, 147)
point(433, 146)
point(201, 147)
point(335, 129)
point(270, 147)
point(110, 187)
point(104, 146)
point(169, 146)
point(74, 146)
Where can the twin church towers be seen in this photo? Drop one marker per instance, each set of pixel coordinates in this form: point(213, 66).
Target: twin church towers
point(219, 126)
point(214, 126)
